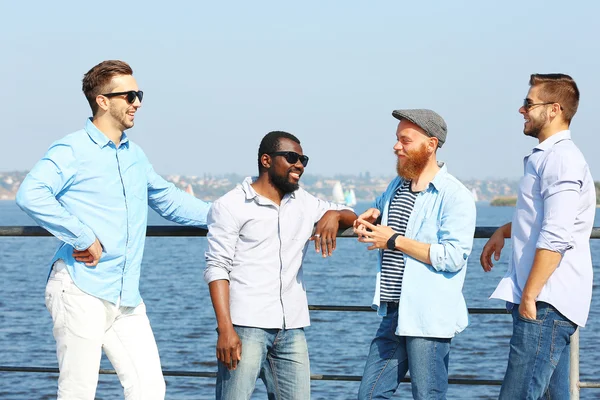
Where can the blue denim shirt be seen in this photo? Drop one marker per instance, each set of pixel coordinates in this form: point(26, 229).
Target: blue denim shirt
point(86, 187)
point(432, 303)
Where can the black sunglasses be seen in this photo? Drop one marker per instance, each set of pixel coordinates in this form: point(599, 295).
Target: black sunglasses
point(291, 157)
point(528, 106)
point(131, 95)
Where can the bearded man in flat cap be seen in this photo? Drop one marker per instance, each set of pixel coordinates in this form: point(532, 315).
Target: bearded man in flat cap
point(423, 227)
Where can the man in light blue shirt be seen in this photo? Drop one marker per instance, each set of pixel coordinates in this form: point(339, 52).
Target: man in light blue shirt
point(548, 285)
point(92, 190)
point(425, 238)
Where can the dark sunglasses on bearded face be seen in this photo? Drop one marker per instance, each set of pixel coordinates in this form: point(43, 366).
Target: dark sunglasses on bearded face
point(131, 95)
point(527, 105)
point(292, 157)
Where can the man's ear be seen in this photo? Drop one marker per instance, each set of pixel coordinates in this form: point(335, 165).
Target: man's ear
point(433, 142)
point(102, 102)
point(265, 161)
point(555, 110)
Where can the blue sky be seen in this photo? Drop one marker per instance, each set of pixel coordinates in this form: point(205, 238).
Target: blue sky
point(218, 76)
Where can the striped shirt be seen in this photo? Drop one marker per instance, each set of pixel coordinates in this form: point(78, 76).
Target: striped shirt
point(392, 264)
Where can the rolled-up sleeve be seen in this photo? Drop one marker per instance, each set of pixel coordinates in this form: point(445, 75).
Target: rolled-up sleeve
point(455, 233)
point(223, 234)
point(560, 186)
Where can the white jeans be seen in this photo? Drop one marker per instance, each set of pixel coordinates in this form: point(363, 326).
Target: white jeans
point(84, 325)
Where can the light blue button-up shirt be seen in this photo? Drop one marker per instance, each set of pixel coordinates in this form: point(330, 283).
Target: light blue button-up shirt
point(555, 210)
point(432, 303)
point(86, 187)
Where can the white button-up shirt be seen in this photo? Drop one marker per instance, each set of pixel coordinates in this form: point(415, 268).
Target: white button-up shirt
point(258, 247)
point(555, 210)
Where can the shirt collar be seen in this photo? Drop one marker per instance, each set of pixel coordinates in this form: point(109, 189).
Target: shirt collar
point(100, 138)
point(248, 189)
point(252, 195)
point(552, 140)
point(438, 179)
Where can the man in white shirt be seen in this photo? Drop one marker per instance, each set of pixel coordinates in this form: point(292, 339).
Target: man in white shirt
point(548, 285)
point(258, 236)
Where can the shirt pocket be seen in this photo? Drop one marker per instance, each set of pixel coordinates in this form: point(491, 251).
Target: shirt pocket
point(529, 186)
point(296, 228)
point(426, 227)
point(296, 224)
point(136, 182)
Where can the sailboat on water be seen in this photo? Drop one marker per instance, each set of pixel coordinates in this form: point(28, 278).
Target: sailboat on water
point(190, 190)
point(337, 193)
point(340, 196)
point(350, 198)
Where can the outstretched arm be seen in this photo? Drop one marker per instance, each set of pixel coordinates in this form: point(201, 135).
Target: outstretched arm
point(173, 203)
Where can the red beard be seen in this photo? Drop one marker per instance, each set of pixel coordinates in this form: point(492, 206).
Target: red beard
point(413, 164)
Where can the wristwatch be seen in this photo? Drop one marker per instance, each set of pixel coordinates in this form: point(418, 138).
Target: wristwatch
point(391, 243)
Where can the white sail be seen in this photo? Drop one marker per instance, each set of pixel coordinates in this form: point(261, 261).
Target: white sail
point(350, 200)
point(338, 193)
point(189, 189)
point(474, 193)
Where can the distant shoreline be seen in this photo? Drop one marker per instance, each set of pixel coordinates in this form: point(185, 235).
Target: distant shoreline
point(504, 201)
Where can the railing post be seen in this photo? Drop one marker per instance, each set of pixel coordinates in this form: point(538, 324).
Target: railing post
point(574, 366)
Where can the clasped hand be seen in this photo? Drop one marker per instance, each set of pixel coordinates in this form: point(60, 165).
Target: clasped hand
point(376, 235)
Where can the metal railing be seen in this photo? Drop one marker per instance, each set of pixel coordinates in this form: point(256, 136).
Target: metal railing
point(181, 231)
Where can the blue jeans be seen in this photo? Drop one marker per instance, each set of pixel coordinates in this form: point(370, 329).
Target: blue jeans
point(391, 356)
point(538, 362)
point(278, 356)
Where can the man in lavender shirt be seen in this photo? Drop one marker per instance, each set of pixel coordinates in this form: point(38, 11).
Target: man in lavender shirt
point(548, 285)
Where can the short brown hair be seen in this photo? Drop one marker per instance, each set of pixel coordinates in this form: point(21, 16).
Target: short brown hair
point(558, 88)
point(97, 80)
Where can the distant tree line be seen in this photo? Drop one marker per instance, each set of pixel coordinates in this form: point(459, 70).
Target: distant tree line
point(511, 201)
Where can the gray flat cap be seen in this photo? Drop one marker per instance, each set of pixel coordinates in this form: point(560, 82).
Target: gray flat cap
point(430, 121)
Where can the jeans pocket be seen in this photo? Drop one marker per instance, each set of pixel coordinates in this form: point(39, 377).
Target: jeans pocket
point(529, 320)
point(561, 337)
point(540, 315)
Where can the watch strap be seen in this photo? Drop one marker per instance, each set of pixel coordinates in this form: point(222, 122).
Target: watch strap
point(391, 243)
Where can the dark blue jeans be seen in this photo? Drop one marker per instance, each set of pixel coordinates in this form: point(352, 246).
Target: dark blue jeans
point(391, 356)
point(538, 362)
